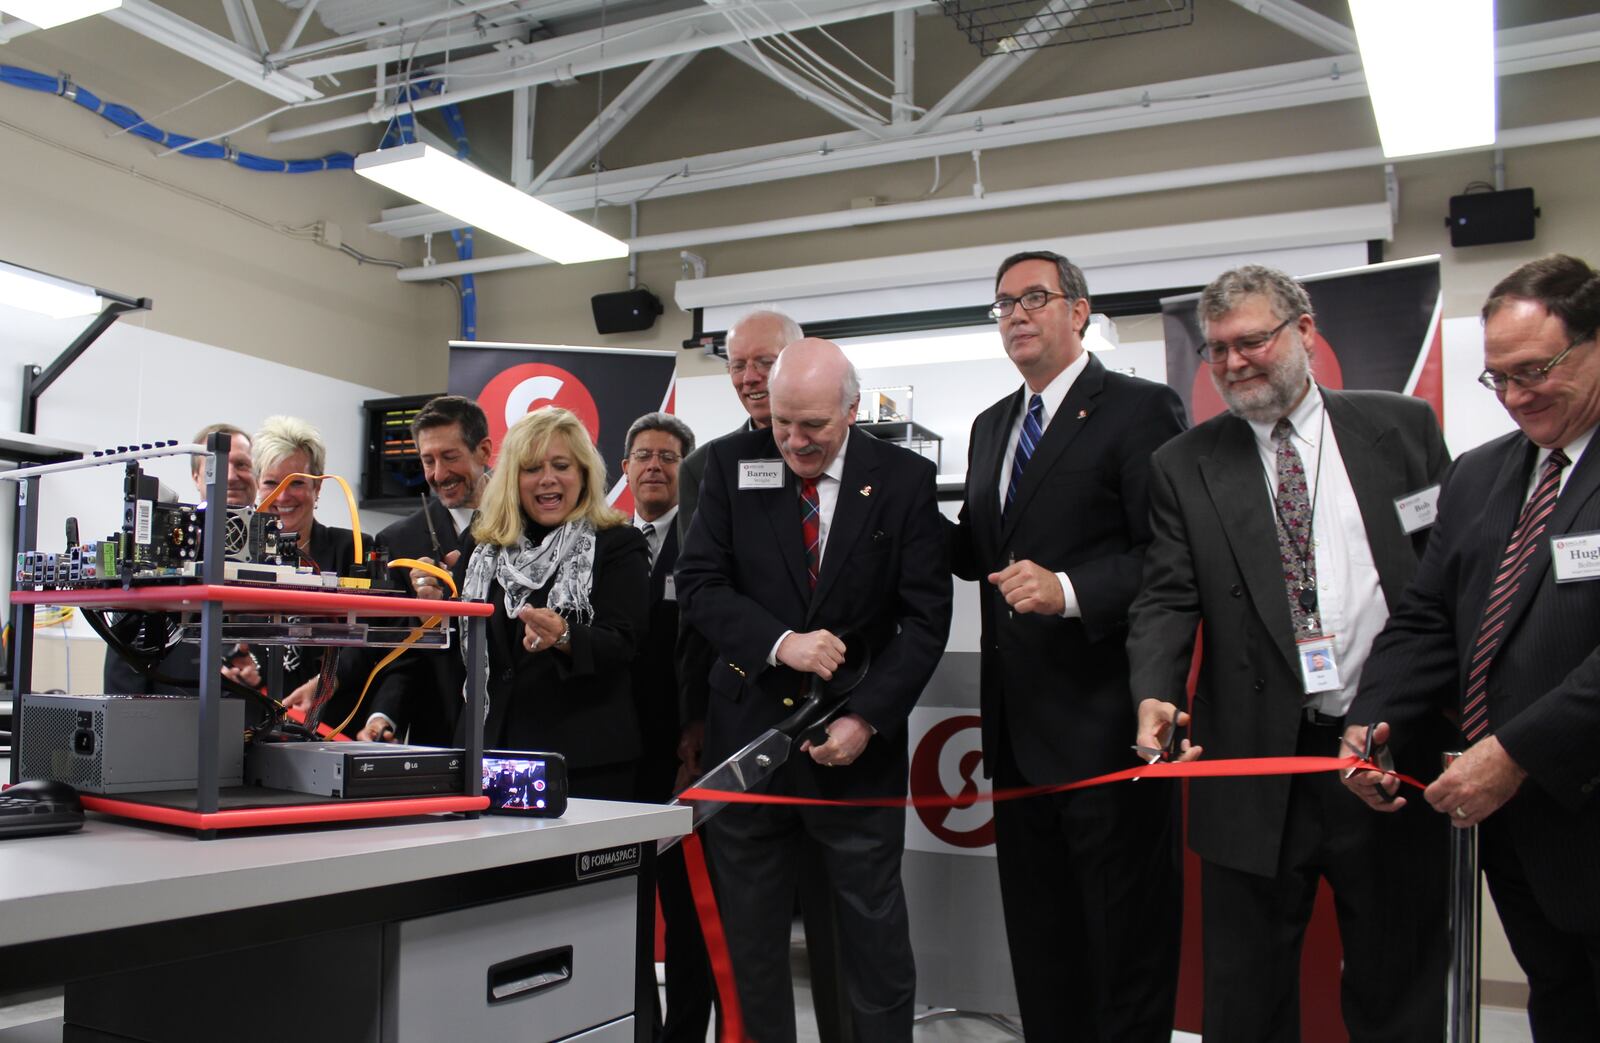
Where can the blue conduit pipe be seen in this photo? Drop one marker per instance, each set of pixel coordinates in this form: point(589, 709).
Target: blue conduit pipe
point(402, 130)
point(133, 123)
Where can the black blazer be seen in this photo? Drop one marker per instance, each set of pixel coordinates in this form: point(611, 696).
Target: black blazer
point(655, 680)
point(1214, 558)
point(1055, 691)
point(579, 705)
point(1544, 683)
point(885, 580)
point(415, 690)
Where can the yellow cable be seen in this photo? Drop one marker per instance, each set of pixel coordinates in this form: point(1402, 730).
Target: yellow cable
point(349, 498)
point(441, 574)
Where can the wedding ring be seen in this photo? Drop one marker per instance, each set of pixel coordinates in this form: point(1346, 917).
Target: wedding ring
point(1461, 812)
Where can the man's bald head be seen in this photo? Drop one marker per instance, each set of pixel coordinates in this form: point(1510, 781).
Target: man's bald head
point(814, 395)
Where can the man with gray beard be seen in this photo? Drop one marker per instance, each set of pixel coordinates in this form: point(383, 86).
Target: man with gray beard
point(1288, 526)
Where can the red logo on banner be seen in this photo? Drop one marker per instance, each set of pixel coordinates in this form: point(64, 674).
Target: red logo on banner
point(513, 393)
point(1205, 403)
point(925, 778)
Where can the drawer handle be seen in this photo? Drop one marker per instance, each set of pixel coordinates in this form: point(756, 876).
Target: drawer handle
point(526, 975)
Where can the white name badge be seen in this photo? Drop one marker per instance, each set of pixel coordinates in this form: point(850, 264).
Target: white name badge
point(760, 474)
point(1576, 556)
point(1318, 667)
point(1418, 510)
point(669, 592)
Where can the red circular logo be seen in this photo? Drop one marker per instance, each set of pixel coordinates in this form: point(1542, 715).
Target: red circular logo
point(926, 778)
point(519, 390)
point(1206, 403)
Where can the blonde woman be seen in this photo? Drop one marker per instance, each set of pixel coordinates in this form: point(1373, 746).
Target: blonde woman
point(569, 579)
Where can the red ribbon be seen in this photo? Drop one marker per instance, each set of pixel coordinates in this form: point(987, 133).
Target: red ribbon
point(705, 903)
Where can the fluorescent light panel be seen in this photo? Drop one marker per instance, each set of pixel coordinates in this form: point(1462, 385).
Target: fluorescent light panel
point(1429, 66)
point(47, 14)
point(472, 197)
point(45, 294)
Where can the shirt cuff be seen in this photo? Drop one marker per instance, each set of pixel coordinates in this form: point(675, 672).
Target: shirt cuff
point(387, 722)
point(1070, 609)
point(772, 656)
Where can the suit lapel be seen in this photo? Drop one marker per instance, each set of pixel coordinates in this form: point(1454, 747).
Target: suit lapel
point(989, 449)
point(1580, 488)
point(850, 511)
point(1373, 461)
point(1238, 490)
point(1064, 427)
point(782, 509)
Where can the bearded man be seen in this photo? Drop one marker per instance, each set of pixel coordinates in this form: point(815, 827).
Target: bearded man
point(1288, 526)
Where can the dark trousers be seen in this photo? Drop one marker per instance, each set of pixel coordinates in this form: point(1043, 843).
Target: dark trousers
point(1563, 968)
point(1390, 881)
point(1091, 884)
point(756, 856)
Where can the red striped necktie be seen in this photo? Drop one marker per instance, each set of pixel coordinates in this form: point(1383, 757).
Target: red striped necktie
point(811, 527)
point(1508, 577)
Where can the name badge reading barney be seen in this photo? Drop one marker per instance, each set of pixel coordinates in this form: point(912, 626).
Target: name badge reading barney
point(760, 474)
point(1576, 556)
point(1418, 510)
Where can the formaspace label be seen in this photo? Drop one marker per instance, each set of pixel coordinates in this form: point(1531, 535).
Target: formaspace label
point(611, 860)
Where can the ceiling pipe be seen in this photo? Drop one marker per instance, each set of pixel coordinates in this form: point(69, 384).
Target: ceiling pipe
point(1102, 188)
point(1304, 22)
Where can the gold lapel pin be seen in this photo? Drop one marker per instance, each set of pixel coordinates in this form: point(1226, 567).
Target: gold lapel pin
point(866, 490)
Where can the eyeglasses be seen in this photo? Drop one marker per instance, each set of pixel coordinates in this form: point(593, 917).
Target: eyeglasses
point(762, 365)
point(1528, 376)
point(1248, 345)
point(1033, 300)
point(666, 456)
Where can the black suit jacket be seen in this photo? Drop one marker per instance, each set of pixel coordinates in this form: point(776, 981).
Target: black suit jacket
point(1055, 691)
point(414, 691)
point(885, 581)
point(1214, 558)
point(1544, 682)
point(579, 705)
point(655, 681)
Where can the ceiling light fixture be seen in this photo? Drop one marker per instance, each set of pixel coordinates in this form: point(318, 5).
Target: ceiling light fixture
point(1429, 66)
point(469, 195)
point(47, 14)
point(43, 294)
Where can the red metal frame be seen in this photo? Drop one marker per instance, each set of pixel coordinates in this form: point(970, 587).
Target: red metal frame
point(288, 815)
point(189, 597)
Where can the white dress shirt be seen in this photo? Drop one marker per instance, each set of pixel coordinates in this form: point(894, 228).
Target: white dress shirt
point(1051, 398)
point(1574, 449)
point(462, 517)
point(660, 526)
point(1350, 602)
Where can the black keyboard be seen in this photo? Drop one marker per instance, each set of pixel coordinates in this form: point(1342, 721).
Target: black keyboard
point(27, 816)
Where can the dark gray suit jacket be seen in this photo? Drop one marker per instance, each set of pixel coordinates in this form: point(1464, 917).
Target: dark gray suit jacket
point(1214, 559)
point(1544, 682)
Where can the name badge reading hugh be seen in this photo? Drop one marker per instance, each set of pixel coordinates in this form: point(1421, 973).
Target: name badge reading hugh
point(1418, 510)
point(760, 474)
point(1576, 556)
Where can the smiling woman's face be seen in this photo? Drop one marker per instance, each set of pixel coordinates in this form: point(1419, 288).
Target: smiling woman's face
point(550, 489)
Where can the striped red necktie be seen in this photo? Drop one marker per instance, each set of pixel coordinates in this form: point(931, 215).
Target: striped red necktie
point(1491, 629)
point(811, 527)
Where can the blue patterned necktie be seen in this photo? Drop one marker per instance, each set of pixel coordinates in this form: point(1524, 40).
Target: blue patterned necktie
point(1027, 442)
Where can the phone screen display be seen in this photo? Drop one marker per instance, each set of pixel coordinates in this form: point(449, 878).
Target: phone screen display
point(525, 784)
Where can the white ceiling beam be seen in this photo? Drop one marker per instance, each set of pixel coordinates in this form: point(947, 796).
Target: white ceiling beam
point(905, 66)
point(1305, 23)
point(301, 20)
point(239, 26)
point(804, 89)
point(14, 28)
point(523, 109)
point(208, 48)
point(1101, 188)
point(1565, 42)
point(996, 69)
point(629, 43)
point(605, 126)
point(400, 28)
point(335, 64)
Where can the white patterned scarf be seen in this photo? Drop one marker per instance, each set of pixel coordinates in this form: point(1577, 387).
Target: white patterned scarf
point(567, 552)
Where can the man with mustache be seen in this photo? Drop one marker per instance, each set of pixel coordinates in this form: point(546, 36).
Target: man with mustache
point(1288, 526)
point(1054, 529)
point(806, 534)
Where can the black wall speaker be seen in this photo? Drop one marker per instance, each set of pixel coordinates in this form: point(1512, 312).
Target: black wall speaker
point(625, 312)
point(1479, 218)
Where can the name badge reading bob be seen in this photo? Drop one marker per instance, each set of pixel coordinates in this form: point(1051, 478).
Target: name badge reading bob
point(1576, 556)
point(1418, 510)
point(760, 474)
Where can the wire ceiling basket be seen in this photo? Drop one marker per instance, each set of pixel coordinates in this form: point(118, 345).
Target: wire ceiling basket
point(1009, 26)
